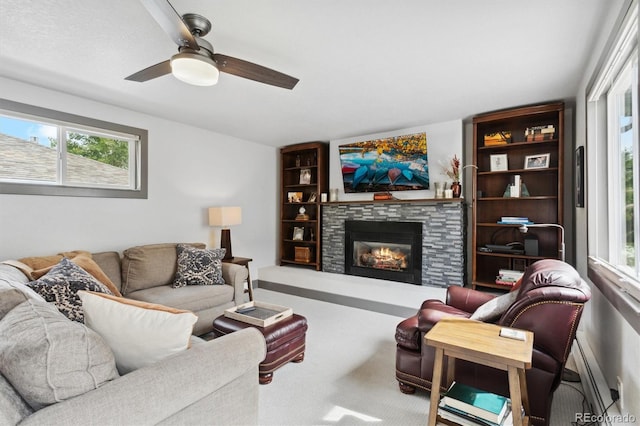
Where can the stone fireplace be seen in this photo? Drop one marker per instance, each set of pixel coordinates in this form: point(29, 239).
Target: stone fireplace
point(442, 260)
point(386, 250)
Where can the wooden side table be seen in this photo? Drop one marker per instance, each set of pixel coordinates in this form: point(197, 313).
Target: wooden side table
point(244, 261)
point(480, 343)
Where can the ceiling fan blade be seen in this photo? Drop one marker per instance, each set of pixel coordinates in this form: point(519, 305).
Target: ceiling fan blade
point(254, 72)
point(171, 22)
point(154, 71)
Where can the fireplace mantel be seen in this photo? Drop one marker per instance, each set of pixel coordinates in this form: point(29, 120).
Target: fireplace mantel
point(443, 260)
point(396, 201)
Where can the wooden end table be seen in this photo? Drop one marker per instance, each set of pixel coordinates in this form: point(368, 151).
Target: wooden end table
point(244, 261)
point(480, 343)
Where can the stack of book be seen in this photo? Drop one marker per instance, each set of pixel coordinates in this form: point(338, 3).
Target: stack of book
point(514, 220)
point(466, 405)
point(540, 133)
point(508, 277)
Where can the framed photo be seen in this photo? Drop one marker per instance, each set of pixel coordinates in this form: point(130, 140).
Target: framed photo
point(579, 176)
point(538, 161)
point(305, 176)
point(294, 197)
point(312, 198)
point(298, 233)
point(499, 162)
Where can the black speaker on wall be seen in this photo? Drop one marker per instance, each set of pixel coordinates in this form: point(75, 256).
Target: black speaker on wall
point(531, 245)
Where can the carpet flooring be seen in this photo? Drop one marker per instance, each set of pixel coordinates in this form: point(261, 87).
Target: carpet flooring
point(348, 374)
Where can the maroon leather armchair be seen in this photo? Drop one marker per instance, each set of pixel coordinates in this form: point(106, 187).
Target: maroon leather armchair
point(549, 303)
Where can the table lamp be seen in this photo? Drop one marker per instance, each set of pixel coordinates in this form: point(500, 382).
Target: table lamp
point(225, 217)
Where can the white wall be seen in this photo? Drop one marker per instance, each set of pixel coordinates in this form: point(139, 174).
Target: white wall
point(615, 344)
point(443, 141)
point(190, 169)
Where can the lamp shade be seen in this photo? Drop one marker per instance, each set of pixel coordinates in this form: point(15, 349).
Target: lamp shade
point(225, 216)
point(195, 69)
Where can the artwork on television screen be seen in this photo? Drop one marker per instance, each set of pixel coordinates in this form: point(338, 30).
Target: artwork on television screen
point(397, 163)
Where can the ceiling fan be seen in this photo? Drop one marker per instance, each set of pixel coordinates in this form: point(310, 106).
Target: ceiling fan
point(196, 63)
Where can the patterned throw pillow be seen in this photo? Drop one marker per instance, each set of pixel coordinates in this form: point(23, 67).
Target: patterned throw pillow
point(60, 287)
point(198, 266)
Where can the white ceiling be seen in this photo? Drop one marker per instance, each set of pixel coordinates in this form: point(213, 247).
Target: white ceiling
point(365, 66)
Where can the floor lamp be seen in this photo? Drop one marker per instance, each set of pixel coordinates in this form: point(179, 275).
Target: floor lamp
point(525, 228)
point(225, 217)
point(567, 374)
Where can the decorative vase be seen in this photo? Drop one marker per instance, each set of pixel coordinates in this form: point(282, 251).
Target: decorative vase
point(457, 189)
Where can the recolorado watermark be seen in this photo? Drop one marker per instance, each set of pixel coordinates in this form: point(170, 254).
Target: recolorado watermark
point(601, 418)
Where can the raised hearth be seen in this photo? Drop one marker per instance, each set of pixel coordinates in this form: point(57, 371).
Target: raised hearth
point(442, 222)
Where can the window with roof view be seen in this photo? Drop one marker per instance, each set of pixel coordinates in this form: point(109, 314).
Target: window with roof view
point(51, 153)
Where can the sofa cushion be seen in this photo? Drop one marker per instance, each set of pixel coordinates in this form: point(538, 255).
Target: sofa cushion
point(198, 266)
point(149, 266)
point(48, 358)
point(139, 333)
point(111, 265)
point(13, 289)
point(60, 286)
point(39, 262)
point(193, 298)
point(89, 265)
point(24, 268)
point(12, 407)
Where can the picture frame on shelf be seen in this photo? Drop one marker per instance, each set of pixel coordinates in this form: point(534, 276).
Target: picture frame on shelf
point(305, 176)
point(499, 162)
point(298, 233)
point(537, 161)
point(294, 197)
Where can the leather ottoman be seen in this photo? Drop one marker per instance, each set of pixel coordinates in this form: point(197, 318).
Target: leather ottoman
point(285, 341)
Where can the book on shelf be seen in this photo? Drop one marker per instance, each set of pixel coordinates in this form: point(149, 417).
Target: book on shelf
point(508, 277)
point(466, 419)
point(514, 220)
point(510, 273)
point(540, 133)
point(476, 402)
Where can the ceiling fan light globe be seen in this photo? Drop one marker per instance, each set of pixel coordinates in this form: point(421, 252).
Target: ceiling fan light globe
point(194, 69)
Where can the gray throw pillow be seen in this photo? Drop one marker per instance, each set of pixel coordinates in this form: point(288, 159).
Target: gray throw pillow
point(198, 266)
point(48, 359)
point(61, 285)
point(494, 308)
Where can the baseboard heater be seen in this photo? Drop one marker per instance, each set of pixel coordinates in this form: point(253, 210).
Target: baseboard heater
point(594, 385)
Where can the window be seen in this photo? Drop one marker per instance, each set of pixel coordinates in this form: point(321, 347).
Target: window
point(612, 121)
point(46, 152)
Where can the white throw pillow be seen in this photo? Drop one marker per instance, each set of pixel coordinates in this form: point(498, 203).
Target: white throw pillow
point(495, 307)
point(138, 333)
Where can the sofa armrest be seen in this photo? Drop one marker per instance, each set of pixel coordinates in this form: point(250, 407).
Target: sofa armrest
point(467, 299)
point(235, 276)
point(157, 392)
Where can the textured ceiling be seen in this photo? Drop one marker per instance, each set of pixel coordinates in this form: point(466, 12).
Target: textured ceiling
point(364, 66)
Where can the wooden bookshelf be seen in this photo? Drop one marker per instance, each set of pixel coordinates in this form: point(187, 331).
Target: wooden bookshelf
point(311, 160)
point(545, 186)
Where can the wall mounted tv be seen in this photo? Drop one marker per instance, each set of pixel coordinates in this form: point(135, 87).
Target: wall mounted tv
point(397, 163)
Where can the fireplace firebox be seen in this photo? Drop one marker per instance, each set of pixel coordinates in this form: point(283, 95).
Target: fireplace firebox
point(384, 250)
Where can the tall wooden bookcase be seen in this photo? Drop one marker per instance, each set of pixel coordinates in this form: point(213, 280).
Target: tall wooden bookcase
point(304, 176)
point(544, 184)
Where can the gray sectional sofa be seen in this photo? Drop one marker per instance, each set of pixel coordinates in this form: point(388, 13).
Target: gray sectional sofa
point(212, 382)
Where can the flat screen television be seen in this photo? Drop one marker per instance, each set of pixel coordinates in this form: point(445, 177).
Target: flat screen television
point(397, 163)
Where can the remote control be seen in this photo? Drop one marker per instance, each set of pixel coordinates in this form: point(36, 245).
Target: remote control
point(512, 333)
point(245, 310)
